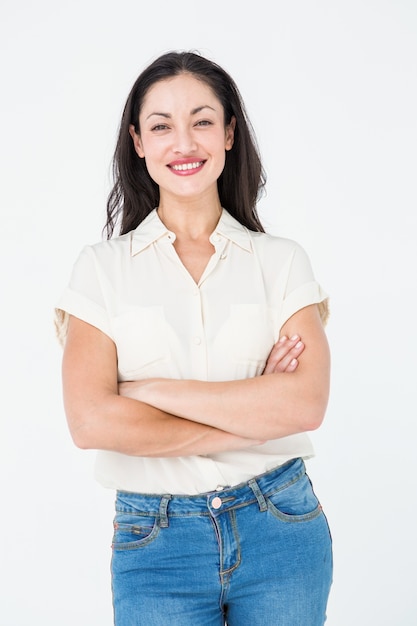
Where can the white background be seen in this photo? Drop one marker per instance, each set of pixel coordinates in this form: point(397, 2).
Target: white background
point(331, 90)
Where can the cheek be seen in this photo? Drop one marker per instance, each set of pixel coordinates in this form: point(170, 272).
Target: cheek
point(145, 150)
point(153, 171)
point(221, 160)
point(222, 164)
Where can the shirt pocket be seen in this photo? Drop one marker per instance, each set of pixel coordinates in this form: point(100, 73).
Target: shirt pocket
point(140, 337)
point(249, 334)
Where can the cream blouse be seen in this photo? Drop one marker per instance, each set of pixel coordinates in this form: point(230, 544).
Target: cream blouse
point(135, 289)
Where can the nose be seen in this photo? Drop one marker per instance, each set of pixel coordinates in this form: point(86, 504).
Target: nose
point(184, 141)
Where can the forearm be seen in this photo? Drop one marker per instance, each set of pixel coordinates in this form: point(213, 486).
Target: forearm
point(134, 428)
point(266, 407)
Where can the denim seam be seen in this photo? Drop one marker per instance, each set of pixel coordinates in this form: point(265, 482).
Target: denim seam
point(227, 572)
point(139, 543)
point(294, 519)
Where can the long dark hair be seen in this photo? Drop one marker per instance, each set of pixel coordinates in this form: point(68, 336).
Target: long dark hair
point(135, 194)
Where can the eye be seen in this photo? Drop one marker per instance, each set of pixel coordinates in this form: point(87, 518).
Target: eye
point(204, 123)
point(159, 127)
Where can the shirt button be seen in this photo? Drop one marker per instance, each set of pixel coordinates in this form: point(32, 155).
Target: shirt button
point(197, 341)
point(216, 502)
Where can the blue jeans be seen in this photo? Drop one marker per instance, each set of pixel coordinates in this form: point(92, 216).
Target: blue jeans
point(258, 554)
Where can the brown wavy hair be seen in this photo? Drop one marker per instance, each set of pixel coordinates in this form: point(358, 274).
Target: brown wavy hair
point(134, 194)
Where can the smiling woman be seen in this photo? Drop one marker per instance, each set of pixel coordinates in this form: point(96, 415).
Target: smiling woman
point(195, 362)
point(184, 140)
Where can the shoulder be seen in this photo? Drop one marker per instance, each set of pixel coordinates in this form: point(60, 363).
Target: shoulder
point(146, 232)
point(293, 263)
point(283, 259)
point(111, 245)
point(265, 244)
point(105, 252)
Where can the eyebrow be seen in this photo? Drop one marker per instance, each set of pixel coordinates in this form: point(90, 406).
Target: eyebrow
point(193, 112)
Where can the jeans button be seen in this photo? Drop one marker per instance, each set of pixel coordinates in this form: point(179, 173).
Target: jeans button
point(216, 502)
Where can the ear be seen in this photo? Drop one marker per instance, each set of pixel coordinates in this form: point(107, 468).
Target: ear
point(136, 141)
point(230, 133)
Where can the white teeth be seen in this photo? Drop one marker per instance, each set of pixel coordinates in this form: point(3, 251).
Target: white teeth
point(187, 166)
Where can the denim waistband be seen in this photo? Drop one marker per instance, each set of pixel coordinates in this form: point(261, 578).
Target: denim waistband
point(213, 502)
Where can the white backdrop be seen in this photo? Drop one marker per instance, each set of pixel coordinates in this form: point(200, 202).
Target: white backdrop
point(331, 89)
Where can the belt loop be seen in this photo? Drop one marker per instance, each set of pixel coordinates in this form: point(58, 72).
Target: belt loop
point(163, 517)
point(259, 495)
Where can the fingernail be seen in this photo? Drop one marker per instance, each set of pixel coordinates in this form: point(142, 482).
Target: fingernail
point(298, 345)
point(294, 337)
point(282, 339)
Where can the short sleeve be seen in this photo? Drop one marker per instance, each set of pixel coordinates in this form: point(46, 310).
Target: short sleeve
point(302, 289)
point(83, 297)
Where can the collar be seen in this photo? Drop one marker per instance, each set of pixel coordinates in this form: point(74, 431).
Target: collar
point(152, 228)
point(149, 230)
point(230, 228)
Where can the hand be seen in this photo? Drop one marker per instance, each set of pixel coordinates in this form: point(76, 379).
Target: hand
point(284, 355)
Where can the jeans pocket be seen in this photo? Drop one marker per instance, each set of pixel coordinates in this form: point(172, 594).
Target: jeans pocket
point(296, 502)
point(132, 530)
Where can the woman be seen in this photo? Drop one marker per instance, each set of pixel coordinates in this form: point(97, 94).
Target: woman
point(183, 366)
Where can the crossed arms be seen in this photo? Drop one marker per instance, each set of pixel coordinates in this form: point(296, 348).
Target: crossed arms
point(163, 417)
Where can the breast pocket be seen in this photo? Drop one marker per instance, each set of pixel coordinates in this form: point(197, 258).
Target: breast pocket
point(249, 335)
point(140, 337)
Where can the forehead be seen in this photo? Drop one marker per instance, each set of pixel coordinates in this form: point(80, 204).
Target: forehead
point(182, 91)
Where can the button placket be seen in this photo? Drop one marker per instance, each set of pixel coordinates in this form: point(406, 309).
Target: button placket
point(196, 334)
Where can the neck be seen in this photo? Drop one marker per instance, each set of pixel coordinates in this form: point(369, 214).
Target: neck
point(190, 220)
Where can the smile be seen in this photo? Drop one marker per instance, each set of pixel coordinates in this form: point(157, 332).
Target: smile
point(184, 167)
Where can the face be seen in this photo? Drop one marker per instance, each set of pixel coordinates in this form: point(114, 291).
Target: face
point(183, 137)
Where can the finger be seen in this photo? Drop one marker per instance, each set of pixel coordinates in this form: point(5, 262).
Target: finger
point(282, 353)
point(279, 350)
point(294, 353)
point(292, 366)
